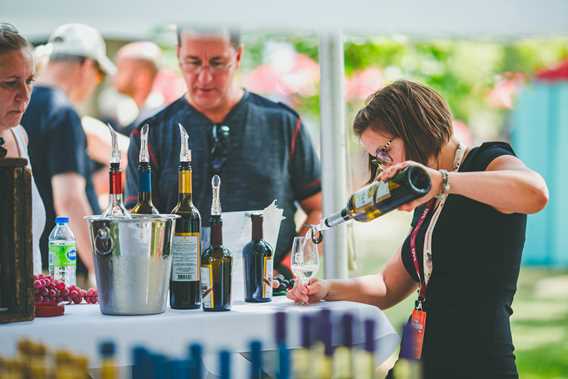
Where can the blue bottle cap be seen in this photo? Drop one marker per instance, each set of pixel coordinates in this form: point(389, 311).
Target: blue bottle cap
point(159, 366)
point(62, 220)
point(141, 362)
point(323, 321)
point(284, 361)
point(177, 369)
point(347, 329)
point(370, 327)
point(256, 357)
point(280, 327)
point(107, 349)
point(408, 343)
point(327, 338)
point(195, 361)
point(306, 336)
point(224, 364)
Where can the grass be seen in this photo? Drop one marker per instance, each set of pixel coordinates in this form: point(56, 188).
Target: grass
point(540, 320)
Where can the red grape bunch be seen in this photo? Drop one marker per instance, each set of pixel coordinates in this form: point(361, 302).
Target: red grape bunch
point(50, 291)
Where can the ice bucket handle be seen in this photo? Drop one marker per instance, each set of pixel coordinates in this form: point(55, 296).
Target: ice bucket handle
point(103, 241)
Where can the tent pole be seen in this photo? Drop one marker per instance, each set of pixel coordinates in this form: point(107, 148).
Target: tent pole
point(333, 149)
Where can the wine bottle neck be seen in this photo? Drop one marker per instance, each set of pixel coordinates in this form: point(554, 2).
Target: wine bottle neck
point(257, 234)
point(115, 182)
point(144, 178)
point(145, 197)
point(184, 181)
point(115, 198)
point(337, 218)
point(216, 231)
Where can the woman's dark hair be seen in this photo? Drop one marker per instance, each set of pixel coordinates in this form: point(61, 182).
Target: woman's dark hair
point(11, 39)
point(410, 111)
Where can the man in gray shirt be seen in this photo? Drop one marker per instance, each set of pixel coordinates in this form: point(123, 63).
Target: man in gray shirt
point(260, 148)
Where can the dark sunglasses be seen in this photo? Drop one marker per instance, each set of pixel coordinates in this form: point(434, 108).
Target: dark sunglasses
point(220, 142)
point(3, 151)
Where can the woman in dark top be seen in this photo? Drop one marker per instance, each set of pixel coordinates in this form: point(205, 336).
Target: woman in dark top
point(471, 225)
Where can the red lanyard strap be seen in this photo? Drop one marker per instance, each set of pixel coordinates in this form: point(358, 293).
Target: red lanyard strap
point(413, 235)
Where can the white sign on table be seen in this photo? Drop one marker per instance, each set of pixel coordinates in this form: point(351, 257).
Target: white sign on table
point(237, 233)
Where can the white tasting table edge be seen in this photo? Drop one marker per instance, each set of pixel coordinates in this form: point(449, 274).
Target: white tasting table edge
point(83, 327)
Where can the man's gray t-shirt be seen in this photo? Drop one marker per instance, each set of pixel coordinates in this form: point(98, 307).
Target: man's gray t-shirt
point(270, 156)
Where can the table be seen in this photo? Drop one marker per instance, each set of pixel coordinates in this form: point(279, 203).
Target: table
point(83, 327)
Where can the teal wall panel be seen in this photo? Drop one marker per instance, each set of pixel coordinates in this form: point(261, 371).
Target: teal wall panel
point(540, 138)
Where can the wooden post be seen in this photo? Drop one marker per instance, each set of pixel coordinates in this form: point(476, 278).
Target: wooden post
point(16, 260)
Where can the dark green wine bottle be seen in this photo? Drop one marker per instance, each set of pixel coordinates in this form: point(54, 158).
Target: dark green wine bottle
point(186, 266)
point(216, 262)
point(379, 198)
point(257, 257)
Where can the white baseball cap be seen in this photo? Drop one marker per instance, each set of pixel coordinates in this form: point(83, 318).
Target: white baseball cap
point(142, 50)
point(81, 40)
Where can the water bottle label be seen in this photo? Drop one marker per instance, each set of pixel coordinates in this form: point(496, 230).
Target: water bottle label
point(207, 295)
point(267, 278)
point(186, 256)
point(63, 261)
point(64, 254)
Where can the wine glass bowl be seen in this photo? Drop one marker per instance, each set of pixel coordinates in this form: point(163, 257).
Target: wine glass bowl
point(305, 258)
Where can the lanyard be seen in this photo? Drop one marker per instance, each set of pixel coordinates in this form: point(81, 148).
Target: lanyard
point(427, 249)
point(413, 235)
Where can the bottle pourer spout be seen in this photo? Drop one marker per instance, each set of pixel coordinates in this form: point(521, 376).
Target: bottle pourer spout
point(216, 201)
point(185, 151)
point(144, 156)
point(115, 156)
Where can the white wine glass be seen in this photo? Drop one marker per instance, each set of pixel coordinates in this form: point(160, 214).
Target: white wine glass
point(305, 259)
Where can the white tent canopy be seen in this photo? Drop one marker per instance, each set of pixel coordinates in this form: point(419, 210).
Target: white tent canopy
point(479, 19)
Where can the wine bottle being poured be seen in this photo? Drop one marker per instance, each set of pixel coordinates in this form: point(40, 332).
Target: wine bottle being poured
point(378, 199)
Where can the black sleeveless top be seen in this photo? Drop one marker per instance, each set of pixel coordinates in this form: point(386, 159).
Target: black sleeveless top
point(476, 259)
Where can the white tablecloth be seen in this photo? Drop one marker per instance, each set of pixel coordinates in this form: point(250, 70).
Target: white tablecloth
point(82, 327)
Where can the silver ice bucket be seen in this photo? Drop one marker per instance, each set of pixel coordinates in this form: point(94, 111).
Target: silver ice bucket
point(132, 262)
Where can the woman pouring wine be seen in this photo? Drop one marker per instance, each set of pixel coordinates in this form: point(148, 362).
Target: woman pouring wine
point(463, 251)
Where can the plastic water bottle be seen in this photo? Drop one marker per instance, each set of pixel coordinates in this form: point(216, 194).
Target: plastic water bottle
point(62, 252)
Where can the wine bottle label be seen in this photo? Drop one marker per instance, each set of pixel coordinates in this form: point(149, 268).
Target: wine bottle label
point(267, 278)
point(186, 255)
point(207, 295)
point(363, 197)
point(383, 192)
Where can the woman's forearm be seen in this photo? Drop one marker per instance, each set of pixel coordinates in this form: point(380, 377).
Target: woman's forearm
point(509, 191)
point(365, 289)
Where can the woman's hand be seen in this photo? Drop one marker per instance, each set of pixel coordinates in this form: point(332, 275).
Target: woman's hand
point(435, 178)
point(313, 292)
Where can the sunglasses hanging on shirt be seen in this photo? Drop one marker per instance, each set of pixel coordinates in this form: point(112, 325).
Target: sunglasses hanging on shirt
point(3, 150)
point(220, 142)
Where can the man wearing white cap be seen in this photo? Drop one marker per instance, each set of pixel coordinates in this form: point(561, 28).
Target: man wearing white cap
point(57, 143)
point(137, 67)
